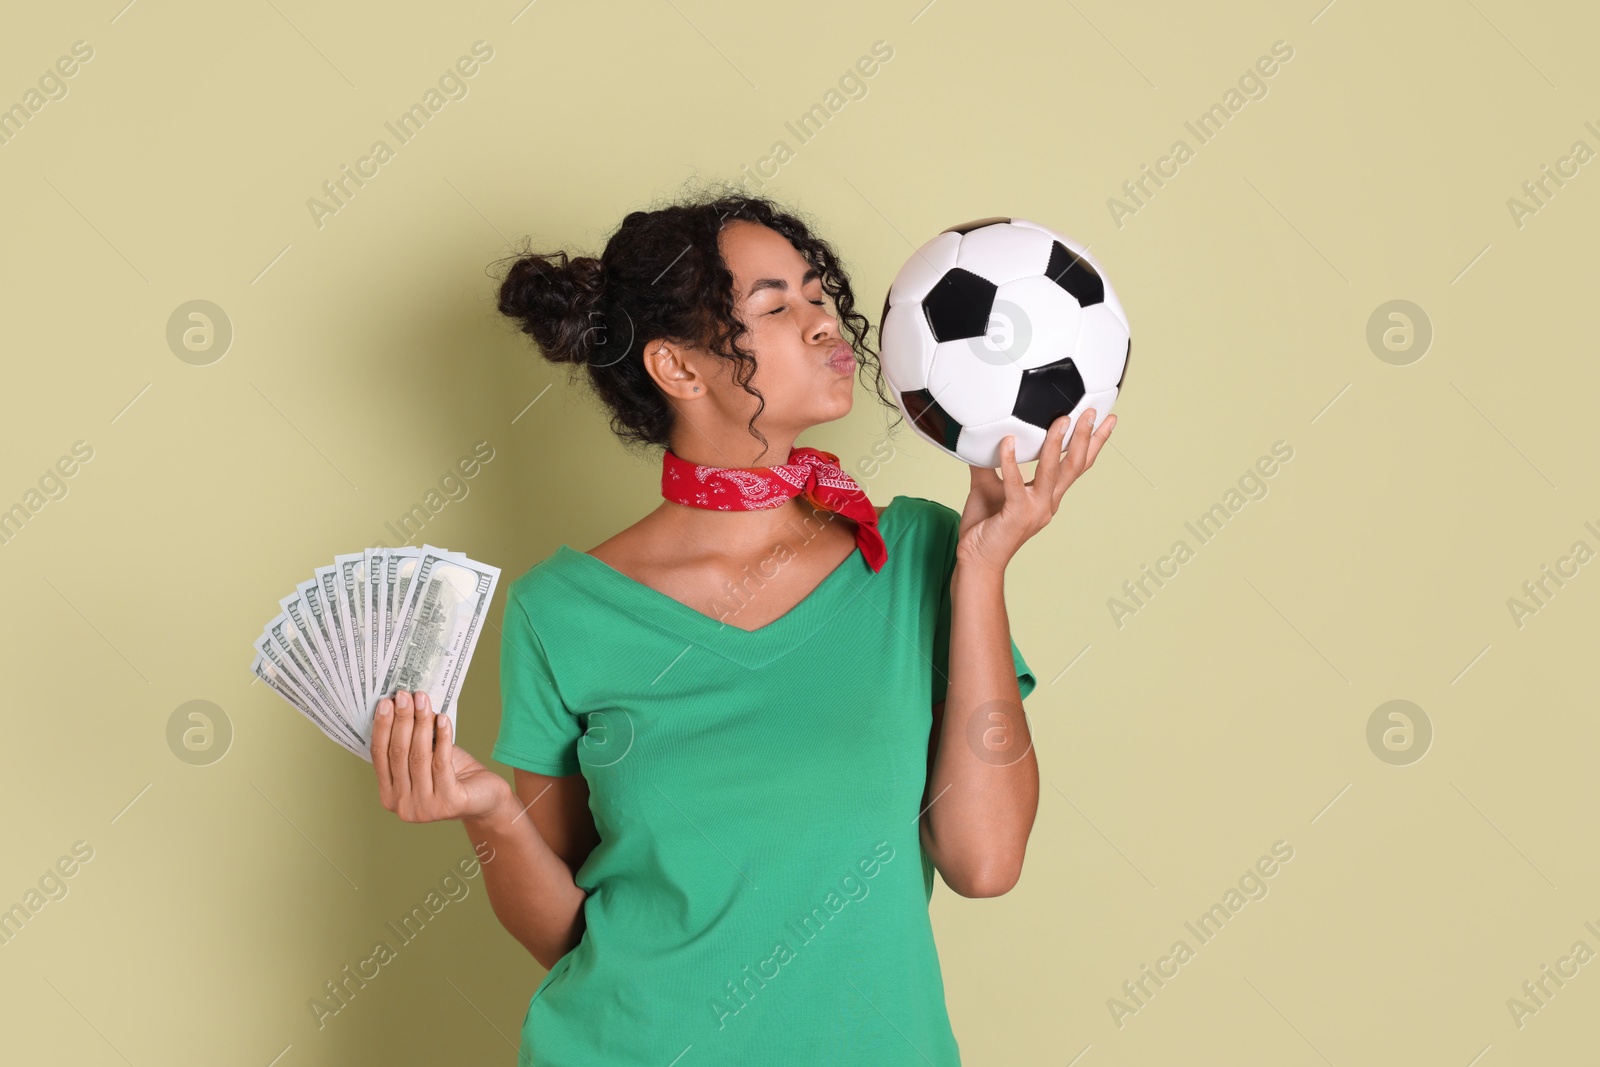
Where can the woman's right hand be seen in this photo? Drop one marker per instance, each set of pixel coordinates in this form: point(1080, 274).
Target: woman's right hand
point(422, 776)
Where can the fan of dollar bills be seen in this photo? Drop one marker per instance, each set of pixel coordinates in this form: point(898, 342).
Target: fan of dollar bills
point(371, 624)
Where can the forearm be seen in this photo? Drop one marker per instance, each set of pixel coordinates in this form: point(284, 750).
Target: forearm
point(530, 888)
point(983, 788)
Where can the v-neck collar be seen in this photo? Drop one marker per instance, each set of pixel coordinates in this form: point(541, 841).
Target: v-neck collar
point(749, 648)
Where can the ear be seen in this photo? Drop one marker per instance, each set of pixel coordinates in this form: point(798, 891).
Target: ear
point(673, 367)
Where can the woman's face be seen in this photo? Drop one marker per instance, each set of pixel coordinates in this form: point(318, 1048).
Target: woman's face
point(801, 369)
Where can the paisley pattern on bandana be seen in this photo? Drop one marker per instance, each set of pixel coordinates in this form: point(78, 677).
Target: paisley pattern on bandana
point(810, 472)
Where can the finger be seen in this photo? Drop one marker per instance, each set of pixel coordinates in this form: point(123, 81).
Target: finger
point(421, 763)
point(1049, 468)
point(988, 479)
point(1100, 437)
point(1078, 455)
point(986, 485)
point(444, 766)
point(382, 726)
point(1010, 470)
point(400, 747)
point(1078, 446)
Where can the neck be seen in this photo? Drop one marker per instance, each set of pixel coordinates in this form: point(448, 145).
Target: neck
point(746, 453)
point(744, 533)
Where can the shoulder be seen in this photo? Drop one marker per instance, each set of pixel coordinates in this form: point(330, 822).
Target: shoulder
point(930, 526)
point(920, 511)
point(546, 582)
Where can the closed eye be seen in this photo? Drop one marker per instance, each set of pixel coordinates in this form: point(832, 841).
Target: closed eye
point(785, 307)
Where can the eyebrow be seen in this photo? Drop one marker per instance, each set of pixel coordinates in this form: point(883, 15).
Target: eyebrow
point(779, 283)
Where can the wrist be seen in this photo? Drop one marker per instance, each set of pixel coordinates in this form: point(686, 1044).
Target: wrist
point(977, 574)
point(497, 816)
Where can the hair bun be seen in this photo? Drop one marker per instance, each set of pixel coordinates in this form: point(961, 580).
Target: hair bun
point(556, 301)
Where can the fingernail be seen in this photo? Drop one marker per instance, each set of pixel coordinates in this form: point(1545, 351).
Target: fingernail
point(423, 702)
point(402, 700)
point(384, 707)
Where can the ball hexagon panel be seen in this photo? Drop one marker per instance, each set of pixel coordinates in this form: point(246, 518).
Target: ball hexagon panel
point(907, 347)
point(925, 267)
point(980, 445)
point(1083, 253)
point(970, 390)
point(1112, 302)
point(1100, 401)
point(1102, 348)
point(1031, 225)
point(1037, 319)
point(1003, 253)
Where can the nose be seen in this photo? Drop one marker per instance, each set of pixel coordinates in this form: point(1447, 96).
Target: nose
point(825, 326)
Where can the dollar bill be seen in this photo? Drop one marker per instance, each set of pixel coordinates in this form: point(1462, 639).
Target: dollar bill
point(332, 596)
point(372, 570)
point(350, 590)
point(298, 613)
point(273, 652)
point(399, 566)
point(281, 685)
point(447, 603)
point(322, 629)
point(297, 661)
point(369, 624)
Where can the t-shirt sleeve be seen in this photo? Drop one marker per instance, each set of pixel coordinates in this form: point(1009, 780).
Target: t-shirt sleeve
point(537, 731)
point(941, 634)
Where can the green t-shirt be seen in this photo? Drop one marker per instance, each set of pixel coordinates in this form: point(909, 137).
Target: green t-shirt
point(759, 893)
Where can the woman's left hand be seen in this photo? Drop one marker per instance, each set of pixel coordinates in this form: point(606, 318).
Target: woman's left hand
point(1003, 511)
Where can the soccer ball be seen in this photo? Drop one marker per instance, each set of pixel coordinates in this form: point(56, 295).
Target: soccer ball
point(997, 327)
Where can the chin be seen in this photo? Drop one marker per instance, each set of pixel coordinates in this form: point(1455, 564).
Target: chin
point(832, 412)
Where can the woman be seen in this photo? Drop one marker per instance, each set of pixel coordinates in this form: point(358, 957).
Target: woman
point(748, 728)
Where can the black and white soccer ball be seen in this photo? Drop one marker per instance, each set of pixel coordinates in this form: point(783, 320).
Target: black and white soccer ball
point(997, 327)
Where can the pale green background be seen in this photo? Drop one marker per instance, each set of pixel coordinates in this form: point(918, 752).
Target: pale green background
point(1228, 714)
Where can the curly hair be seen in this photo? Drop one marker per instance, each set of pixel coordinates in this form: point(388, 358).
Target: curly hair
point(662, 275)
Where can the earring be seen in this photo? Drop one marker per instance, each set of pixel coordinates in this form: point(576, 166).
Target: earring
point(697, 388)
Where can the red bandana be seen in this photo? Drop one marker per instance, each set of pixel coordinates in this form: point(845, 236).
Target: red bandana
point(810, 471)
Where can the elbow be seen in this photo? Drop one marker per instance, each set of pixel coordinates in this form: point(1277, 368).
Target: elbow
point(975, 872)
point(549, 947)
point(548, 955)
point(990, 882)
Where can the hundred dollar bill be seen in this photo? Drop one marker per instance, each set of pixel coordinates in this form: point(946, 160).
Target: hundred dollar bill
point(322, 630)
point(332, 596)
point(351, 587)
point(281, 685)
point(372, 570)
point(446, 606)
point(298, 662)
point(399, 565)
point(298, 612)
point(273, 652)
point(330, 718)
